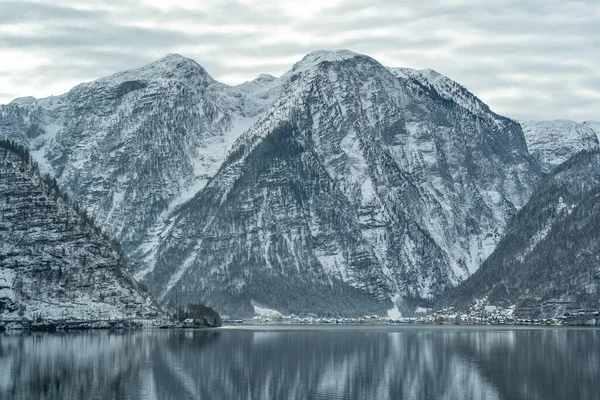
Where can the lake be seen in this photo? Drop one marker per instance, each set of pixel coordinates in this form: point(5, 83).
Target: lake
point(304, 362)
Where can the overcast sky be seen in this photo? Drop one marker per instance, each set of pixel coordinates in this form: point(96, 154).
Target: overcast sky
point(528, 59)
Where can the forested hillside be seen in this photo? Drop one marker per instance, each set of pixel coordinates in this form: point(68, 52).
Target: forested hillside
point(54, 261)
point(549, 260)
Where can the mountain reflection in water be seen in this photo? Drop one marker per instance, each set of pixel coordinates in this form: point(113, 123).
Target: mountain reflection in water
point(299, 363)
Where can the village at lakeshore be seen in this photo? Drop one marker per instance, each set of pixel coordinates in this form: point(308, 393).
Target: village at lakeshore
point(480, 313)
point(582, 319)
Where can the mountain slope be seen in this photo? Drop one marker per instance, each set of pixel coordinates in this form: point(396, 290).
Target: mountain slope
point(553, 142)
point(422, 185)
point(549, 259)
point(54, 262)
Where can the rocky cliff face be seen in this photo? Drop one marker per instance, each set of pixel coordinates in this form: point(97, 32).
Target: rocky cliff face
point(548, 261)
point(54, 263)
point(553, 142)
point(341, 181)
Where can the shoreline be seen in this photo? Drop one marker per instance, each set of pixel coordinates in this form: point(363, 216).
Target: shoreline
point(133, 325)
point(81, 325)
point(388, 325)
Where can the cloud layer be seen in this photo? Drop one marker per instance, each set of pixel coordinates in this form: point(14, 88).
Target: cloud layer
point(534, 59)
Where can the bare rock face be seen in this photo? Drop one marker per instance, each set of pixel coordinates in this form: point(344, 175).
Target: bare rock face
point(340, 187)
point(54, 263)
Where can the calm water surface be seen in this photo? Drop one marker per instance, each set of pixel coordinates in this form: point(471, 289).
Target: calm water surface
point(304, 363)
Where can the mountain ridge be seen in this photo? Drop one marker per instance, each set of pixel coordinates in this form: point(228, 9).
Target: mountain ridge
point(416, 160)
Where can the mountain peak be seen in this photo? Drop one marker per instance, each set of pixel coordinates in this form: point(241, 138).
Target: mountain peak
point(175, 64)
point(265, 78)
point(168, 68)
point(23, 100)
point(311, 63)
point(319, 56)
point(173, 56)
point(330, 55)
point(175, 60)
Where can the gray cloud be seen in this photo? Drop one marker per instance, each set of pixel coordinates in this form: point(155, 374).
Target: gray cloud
point(535, 59)
point(99, 35)
point(23, 11)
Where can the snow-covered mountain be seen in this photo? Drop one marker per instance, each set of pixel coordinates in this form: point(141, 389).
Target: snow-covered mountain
point(356, 176)
point(54, 263)
point(339, 181)
point(548, 261)
point(554, 142)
